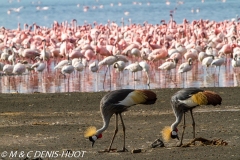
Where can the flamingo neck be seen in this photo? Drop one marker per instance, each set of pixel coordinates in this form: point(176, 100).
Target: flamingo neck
point(44, 46)
point(13, 62)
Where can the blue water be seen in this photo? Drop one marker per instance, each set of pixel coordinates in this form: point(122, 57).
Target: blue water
point(152, 11)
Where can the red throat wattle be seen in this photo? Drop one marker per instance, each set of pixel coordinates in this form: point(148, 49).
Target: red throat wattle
point(99, 136)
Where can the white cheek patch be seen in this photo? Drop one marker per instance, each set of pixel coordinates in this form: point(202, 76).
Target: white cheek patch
point(94, 138)
point(174, 133)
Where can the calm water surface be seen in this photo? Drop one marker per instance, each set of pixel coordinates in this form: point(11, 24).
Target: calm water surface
point(44, 12)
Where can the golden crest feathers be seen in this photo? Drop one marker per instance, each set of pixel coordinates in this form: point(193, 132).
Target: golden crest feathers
point(90, 131)
point(166, 133)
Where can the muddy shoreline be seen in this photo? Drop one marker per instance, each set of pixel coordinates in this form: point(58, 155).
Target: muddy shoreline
point(56, 122)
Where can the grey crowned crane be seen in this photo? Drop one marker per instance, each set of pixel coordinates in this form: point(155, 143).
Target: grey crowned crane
point(116, 102)
point(186, 100)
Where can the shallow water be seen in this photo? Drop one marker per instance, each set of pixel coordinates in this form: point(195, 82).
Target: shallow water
point(52, 81)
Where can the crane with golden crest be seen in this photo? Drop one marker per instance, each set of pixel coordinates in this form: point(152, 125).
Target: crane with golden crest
point(116, 102)
point(186, 100)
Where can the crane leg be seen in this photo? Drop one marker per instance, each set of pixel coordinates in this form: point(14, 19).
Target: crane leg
point(124, 148)
point(116, 130)
point(193, 124)
point(184, 126)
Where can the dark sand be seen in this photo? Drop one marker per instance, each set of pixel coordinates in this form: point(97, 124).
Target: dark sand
point(56, 122)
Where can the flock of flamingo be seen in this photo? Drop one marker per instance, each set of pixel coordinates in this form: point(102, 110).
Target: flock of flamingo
point(69, 49)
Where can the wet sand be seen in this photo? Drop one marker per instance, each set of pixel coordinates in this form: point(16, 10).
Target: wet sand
point(56, 122)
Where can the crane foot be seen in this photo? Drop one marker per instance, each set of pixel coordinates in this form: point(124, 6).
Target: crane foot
point(180, 145)
point(123, 150)
point(108, 150)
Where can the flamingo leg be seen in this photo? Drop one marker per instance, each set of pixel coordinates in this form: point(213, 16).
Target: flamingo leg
point(170, 77)
point(79, 77)
point(9, 83)
point(183, 79)
point(110, 76)
point(105, 77)
point(219, 73)
point(68, 82)
point(134, 79)
point(20, 77)
point(116, 130)
point(148, 80)
point(124, 136)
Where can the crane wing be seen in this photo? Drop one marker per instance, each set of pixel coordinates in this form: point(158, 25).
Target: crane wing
point(129, 97)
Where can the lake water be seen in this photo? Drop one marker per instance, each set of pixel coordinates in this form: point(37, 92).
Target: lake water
point(44, 12)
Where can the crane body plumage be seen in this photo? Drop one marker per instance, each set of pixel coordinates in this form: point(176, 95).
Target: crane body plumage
point(116, 102)
point(186, 100)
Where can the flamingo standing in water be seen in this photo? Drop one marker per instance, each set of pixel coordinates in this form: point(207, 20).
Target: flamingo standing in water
point(218, 62)
point(185, 67)
point(139, 66)
point(236, 61)
point(19, 69)
point(110, 60)
point(168, 66)
point(39, 66)
point(207, 61)
point(134, 67)
point(8, 70)
point(119, 67)
point(93, 67)
point(67, 70)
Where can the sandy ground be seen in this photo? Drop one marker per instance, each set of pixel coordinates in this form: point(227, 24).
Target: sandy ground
point(34, 123)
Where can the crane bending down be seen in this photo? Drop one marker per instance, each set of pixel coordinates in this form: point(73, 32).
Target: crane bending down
point(116, 102)
point(186, 100)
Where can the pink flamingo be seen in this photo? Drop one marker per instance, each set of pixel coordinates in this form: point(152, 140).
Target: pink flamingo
point(185, 67)
point(158, 54)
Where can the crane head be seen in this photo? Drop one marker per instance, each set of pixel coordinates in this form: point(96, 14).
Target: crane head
point(174, 135)
point(94, 138)
point(168, 133)
point(91, 134)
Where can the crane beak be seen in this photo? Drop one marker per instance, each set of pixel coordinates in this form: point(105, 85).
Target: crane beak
point(93, 143)
point(177, 137)
point(93, 139)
